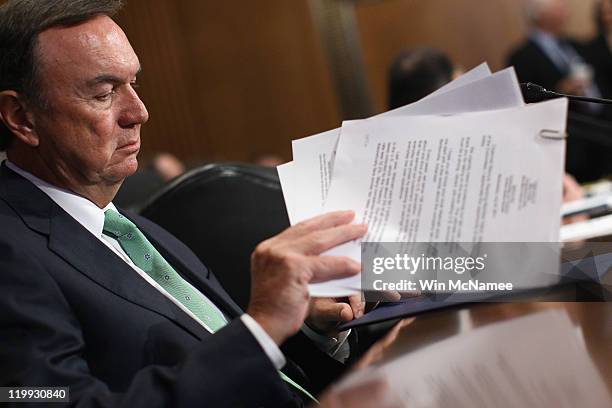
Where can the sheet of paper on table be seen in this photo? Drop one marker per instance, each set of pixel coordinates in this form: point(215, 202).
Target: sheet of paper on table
point(534, 361)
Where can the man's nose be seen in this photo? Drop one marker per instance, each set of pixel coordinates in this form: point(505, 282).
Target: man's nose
point(134, 111)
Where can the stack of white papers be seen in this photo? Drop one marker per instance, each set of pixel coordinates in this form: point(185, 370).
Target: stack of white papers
point(468, 163)
point(534, 361)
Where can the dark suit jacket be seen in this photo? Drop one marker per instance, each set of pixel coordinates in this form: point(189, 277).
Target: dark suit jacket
point(74, 314)
point(533, 65)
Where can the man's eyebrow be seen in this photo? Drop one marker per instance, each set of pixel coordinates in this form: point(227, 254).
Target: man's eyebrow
point(109, 79)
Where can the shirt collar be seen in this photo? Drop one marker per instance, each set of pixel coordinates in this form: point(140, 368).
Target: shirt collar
point(81, 209)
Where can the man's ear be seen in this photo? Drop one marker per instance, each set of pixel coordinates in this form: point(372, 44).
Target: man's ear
point(15, 115)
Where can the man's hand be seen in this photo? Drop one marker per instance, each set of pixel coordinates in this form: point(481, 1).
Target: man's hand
point(284, 265)
point(326, 314)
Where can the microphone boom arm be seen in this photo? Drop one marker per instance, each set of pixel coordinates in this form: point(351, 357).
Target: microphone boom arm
point(535, 93)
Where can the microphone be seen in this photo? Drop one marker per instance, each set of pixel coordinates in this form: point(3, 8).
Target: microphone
point(536, 93)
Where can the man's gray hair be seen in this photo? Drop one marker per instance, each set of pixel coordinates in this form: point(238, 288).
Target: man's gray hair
point(20, 23)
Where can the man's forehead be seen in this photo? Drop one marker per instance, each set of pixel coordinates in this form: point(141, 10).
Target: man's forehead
point(94, 45)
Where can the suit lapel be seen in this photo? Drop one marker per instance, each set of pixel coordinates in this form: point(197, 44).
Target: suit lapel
point(92, 258)
point(552, 66)
point(78, 247)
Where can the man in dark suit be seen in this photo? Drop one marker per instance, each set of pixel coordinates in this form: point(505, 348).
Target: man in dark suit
point(107, 303)
point(547, 57)
point(558, 63)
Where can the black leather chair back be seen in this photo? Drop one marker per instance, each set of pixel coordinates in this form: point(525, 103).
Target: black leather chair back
point(222, 211)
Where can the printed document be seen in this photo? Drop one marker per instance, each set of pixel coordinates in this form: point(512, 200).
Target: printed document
point(480, 177)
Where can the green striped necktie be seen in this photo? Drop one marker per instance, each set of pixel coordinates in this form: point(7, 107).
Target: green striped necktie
point(146, 257)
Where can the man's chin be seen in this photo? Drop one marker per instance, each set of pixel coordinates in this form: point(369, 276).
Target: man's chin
point(123, 170)
point(131, 166)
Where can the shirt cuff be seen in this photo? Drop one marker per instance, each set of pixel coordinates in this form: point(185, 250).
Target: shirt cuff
point(265, 341)
point(336, 347)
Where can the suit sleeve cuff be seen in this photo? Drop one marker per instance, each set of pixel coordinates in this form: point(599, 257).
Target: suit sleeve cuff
point(265, 341)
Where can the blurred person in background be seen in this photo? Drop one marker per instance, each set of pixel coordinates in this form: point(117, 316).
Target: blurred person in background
point(269, 160)
point(415, 73)
point(168, 166)
point(558, 63)
point(547, 57)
